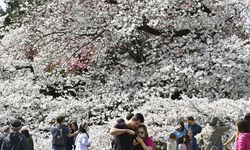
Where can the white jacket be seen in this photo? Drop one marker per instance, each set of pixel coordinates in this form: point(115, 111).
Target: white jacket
point(82, 141)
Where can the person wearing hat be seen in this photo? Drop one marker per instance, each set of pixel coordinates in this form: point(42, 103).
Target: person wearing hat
point(211, 134)
point(14, 140)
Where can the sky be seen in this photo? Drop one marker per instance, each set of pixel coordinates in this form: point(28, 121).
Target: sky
point(2, 4)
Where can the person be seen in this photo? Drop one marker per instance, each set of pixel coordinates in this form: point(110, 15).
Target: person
point(180, 131)
point(118, 121)
point(25, 132)
point(143, 140)
point(191, 124)
point(6, 131)
point(171, 143)
point(14, 140)
point(191, 141)
point(74, 131)
point(182, 145)
point(243, 138)
point(59, 133)
point(211, 134)
point(82, 139)
point(69, 140)
point(233, 137)
point(124, 133)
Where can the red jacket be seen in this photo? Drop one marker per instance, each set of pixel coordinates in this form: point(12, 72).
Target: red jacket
point(243, 141)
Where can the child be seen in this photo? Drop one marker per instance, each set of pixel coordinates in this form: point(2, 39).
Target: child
point(171, 143)
point(182, 145)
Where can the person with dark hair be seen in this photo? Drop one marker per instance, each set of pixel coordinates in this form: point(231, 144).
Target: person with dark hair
point(211, 134)
point(82, 139)
point(69, 140)
point(14, 140)
point(243, 138)
point(247, 117)
point(74, 131)
point(180, 131)
point(143, 140)
point(182, 145)
point(191, 141)
point(191, 124)
point(233, 137)
point(118, 121)
point(59, 134)
point(129, 116)
point(25, 132)
point(124, 133)
point(171, 143)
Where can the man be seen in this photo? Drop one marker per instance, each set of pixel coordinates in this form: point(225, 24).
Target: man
point(59, 133)
point(124, 133)
point(14, 140)
point(191, 124)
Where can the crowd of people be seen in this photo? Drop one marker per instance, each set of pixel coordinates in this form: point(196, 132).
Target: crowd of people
point(132, 134)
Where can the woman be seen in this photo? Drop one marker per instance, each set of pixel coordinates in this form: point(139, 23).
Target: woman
point(82, 139)
point(26, 133)
point(143, 140)
point(74, 131)
point(180, 131)
point(69, 139)
point(191, 141)
point(242, 141)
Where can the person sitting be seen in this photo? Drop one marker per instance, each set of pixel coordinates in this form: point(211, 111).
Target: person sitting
point(143, 140)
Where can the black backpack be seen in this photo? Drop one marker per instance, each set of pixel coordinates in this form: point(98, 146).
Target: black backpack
point(58, 138)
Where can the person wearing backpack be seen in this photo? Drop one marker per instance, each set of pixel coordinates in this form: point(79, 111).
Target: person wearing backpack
point(59, 133)
point(14, 140)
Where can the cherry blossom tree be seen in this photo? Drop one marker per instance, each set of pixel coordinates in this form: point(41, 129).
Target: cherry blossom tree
point(98, 60)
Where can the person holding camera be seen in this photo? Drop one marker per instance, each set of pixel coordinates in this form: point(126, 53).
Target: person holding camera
point(143, 141)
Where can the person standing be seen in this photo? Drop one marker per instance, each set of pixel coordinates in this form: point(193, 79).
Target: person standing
point(243, 139)
point(82, 139)
point(25, 132)
point(14, 140)
point(124, 133)
point(191, 124)
point(143, 140)
point(171, 143)
point(59, 134)
point(211, 135)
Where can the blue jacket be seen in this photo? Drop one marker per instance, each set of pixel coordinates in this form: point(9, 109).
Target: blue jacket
point(195, 128)
point(14, 141)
